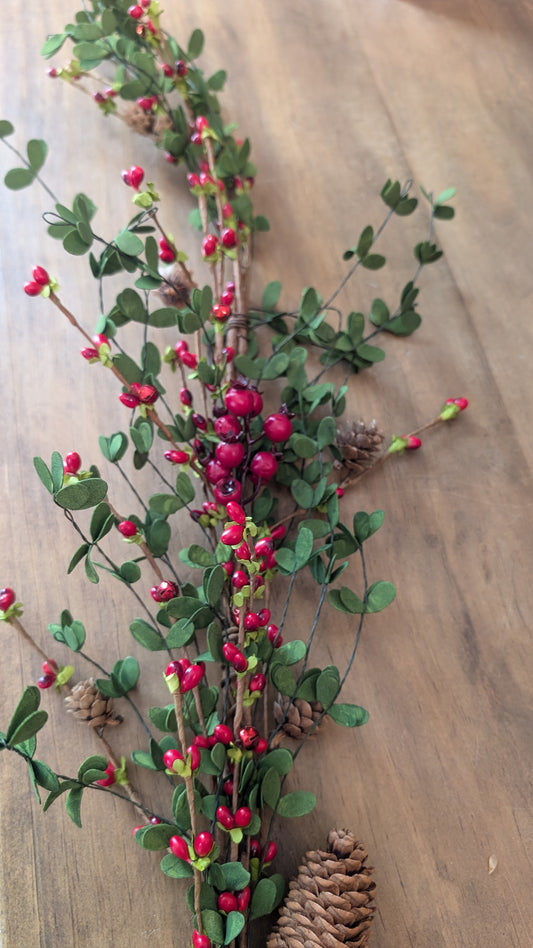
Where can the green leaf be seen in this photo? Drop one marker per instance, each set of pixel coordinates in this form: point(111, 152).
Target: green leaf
point(379, 312)
point(236, 876)
point(304, 546)
point(28, 703)
point(444, 213)
point(283, 679)
point(82, 495)
point(196, 555)
point(234, 926)
point(73, 805)
point(74, 244)
point(180, 634)
point(45, 776)
point(263, 899)
point(328, 686)
point(53, 44)
point(346, 601)
point(380, 595)
point(213, 926)
point(28, 728)
point(155, 837)
point(147, 636)
point(36, 150)
point(18, 178)
point(327, 432)
point(127, 367)
point(89, 54)
point(303, 446)
point(214, 585)
point(217, 80)
point(291, 652)
point(426, 252)
point(195, 46)
point(446, 195)
point(302, 493)
point(79, 555)
point(131, 304)
point(165, 504)
point(129, 243)
point(56, 469)
point(44, 474)
point(127, 671)
point(348, 715)
point(176, 868)
point(370, 353)
point(374, 261)
point(271, 294)
point(270, 788)
point(143, 758)
point(6, 128)
point(297, 803)
point(130, 572)
point(158, 537)
point(161, 318)
point(260, 223)
point(365, 242)
point(276, 366)
point(101, 522)
point(280, 759)
point(90, 571)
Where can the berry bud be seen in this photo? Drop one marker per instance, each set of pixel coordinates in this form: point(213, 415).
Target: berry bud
point(72, 463)
point(40, 275)
point(232, 535)
point(178, 846)
point(127, 528)
point(177, 457)
point(413, 443)
point(185, 397)
point(135, 11)
point(165, 591)
point(228, 237)
point(201, 123)
point(7, 598)
point(46, 681)
point(129, 400)
point(88, 353)
point(199, 940)
point(270, 852)
point(243, 899)
point(223, 734)
point(227, 902)
point(32, 288)
point(203, 843)
point(243, 817)
point(257, 683)
point(225, 817)
point(209, 245)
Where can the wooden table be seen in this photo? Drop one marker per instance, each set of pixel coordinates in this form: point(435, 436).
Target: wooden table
point(336, 97)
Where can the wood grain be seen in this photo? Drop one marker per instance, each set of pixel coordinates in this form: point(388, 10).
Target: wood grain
point(336, 97)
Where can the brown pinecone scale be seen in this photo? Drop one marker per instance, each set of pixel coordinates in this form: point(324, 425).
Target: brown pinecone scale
point(299, 715)
point(359, 444)
point(330, 903)
point(89, 705)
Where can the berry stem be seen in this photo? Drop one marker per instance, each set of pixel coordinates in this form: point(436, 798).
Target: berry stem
point(144, 546)
point(184, 270)
point(27, 637)
point(349, 480)
point(189, 787)
point(127, 787)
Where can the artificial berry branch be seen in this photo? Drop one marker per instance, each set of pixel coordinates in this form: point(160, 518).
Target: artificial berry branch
point(225, 771)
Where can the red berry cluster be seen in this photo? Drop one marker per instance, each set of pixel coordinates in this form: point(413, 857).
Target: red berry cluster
point(71, 463)
point(186, 675)
point(50, 670)
point(166, 591)
point(40, 280)
point(139, 394)
point(133, 177)
point(110, 779)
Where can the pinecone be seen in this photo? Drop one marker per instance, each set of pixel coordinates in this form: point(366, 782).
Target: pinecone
point(88, 704)
point(175, 291)
point(139, 120)
point(330, 903)
point(358, 444)
point(300, 715)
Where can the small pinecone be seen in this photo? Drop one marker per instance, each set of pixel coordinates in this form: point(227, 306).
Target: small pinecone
point(358, 444)
point(175, 291)
point(301, 715)
point(88, 704)
point(139, 120)
point(330, 903)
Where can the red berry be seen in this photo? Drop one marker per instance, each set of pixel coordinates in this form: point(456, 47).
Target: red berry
point(50, 667)
point(148, 394)
point(181, 347)
point(146, 103)
point(167, 70)
point(99, 97)
point(209, 245)
point(155, 820)
point(192, 677)
point(165, 591)
point(127, 528)
point(189, 359)
point(195, 757)
point(129, 400)
point(167, 256)
point(199, 422)
point(240, 663)
point(200, 941)
point(274, 637)
point(226, 298)
point(227, 489)
point(177, 457)
point(278, 427)
point(461, 403)
point(270, 852)
point(263, 466)
point(242, 552)
point(181, 68)
point(7, 598)
point(228, 787)
point(251, 622)
point(239, 401)
point(257, 683)
point(174, 668)
point(185, 397)
point(193, 180)
point(228, 428)
point(205, 178)
point(243, 816)
point(239, 579)
point(40, 275)
point(203, 843)
point(227, 210)
point(89, 353)
point(235, 512)
point(72, 463)
point(257, 406)
point(413, 443)
point(264, 617)
point(228, 566)
point(227, 902)
point(215, 471)
point(136, 175)
point(263, 546)
point(255, 849)
point(179, 847)
point(261, 746)
point(232, 535)
point(100, 340)
point(46, 681)
point(201, 123)
point(243, 898)
point(228, 237)
point(225, 817)
point(249, 737)
point(135, 11)
point(170, 756)
point(339, 491)
point(231, 455)
point(229, 650)
point(223, 734)
point(221, 313)
point(32, 288)
point(110, 779)
point(196, 138)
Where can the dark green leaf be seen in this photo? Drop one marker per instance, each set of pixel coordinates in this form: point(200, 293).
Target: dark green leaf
point(370, 353)
point(36, 150)
point(80, 553)
point(303, 446)
point(18, 178)
point(270, 788)
point(147, 636)
point(73, 805)
point(302, 493)
point(129, 243)
point(44, 474)
point(235, 875)
point(379, 596)
point(379, 312)
point(217, 80)
point(27, 705)
point(155, 837)
point(28, 728)
point(213, 926)
point(45, 776)
point(297, 803)
point(365, 242)
point(327, 432)
point(90, 571)
point(283, 679)
point(82, 495)
point(194, 49)
point(263, 899)
point(176, 868)
point(74, 244)
point(276, 366)
point(181, 633)
point(165, 504)
point(374, 261)
point(56, 469)
point(234, 926)
point(214, 585)
point(215, 641)
point(101, 522)
point(127, 671)
point(291, 652)
point(348, 715)
point(161, 318)
point(6, 128)
point(271, 294)
point(328, 686)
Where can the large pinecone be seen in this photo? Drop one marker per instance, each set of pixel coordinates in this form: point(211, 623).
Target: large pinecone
point(88, 704)
point(359, 444)
point(300, 715)
point(330, 903)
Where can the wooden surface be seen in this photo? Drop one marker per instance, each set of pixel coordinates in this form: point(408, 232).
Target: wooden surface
point(336, 96)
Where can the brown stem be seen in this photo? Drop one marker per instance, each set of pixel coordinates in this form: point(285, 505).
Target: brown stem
point(199, 710)
point(348, 481)
point(144, 546)
point(127, 787)
point(189, 786)
point(74, 322)
point(27, 637)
